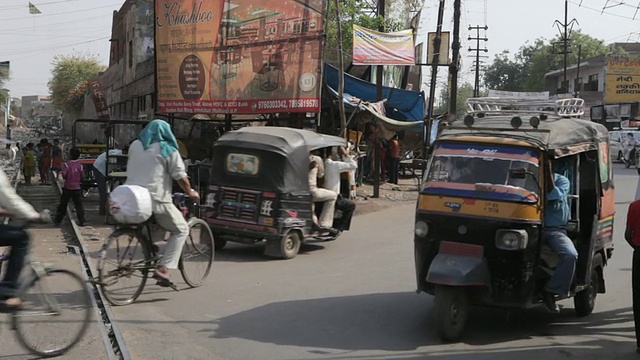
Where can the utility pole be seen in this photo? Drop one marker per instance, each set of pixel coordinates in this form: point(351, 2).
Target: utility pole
point(565, 28)
point(455, 59)
point(578, 84)
point(476, 86)
point(379, 73)
point(437, 41)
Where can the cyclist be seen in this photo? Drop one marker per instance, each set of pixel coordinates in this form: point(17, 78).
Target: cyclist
point(154, 162)
point(14, 236)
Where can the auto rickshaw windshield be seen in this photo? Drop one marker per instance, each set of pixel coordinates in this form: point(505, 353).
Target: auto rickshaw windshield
point(483, 171)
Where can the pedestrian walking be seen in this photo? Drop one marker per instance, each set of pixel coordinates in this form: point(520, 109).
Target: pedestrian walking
point(45, 161)
point(29, 163)
point(72, 174)
point(632, 235)
point(56, 158)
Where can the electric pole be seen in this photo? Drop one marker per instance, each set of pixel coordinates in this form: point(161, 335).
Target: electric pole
point(379, 73)
point(565, 28)
point(476, 86)
point(455, 59)
point(437, 41)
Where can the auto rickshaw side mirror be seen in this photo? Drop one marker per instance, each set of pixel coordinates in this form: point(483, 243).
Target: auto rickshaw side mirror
point(518, 173)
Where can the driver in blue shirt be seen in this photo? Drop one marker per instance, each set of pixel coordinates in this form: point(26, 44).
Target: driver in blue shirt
point(556, 217)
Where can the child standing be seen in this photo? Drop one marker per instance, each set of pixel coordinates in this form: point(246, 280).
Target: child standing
point(56, 158)
point(29, 163)
point(72, 174)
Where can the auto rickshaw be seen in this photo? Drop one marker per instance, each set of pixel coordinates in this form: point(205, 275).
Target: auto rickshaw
point(259, 188)
point(479, 215)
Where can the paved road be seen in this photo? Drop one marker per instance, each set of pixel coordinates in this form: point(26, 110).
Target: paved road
point(49, 246)
point(355, 299)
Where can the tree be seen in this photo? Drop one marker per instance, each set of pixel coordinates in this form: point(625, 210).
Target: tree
point(69, 79)
point(526, 70)
point(465, 91)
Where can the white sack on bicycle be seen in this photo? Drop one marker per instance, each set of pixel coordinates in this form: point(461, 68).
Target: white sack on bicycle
point(130, 204)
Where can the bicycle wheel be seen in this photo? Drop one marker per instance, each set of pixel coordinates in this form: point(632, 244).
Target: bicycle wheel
point(55, 314)
point(197, 253)
point(123, 266)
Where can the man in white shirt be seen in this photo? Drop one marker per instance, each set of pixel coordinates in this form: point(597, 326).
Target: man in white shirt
point(100, 171)
point(333, 169)
point(10, 153)
point(154, 163)
point(15, 237)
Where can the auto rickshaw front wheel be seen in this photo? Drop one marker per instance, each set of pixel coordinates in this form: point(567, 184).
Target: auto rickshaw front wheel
point(451, 311)
point(585, 301)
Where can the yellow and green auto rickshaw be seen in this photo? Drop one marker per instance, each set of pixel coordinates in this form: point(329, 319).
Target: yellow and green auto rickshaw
point(479, 216)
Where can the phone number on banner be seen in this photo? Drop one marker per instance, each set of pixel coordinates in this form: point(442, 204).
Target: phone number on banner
point(288, 104)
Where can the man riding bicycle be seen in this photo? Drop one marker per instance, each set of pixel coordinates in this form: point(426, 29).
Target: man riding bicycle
point(154, 163)
point(14, 236)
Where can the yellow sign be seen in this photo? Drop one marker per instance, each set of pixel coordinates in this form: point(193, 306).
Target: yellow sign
point(622, 82)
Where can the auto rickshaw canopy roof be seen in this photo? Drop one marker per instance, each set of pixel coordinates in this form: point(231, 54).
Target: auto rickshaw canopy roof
point(558, 130)
point(283, 152)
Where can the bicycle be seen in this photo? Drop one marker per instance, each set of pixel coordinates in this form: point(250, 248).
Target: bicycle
point(135, 265)
point(39, 277)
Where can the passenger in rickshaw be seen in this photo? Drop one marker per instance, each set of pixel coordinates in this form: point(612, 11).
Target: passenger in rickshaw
point(556, 217)
point(318, 194)
point(339, 162)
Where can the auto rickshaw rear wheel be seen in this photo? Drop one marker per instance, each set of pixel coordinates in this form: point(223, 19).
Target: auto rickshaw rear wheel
point(585, 301)
point(451, 311)
point(290, 245)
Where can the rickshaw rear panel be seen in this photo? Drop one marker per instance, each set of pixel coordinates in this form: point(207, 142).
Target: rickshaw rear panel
point(259, 187)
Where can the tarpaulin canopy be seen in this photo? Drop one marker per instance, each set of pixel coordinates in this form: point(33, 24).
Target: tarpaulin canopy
point(402, 105)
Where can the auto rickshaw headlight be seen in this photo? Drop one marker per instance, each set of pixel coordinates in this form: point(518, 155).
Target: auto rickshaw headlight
point(421, 229)
point(511, 239)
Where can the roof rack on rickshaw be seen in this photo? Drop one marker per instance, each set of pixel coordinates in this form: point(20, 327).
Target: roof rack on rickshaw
point(570, 107)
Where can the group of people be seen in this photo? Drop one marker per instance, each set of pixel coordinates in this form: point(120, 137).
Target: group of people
point(389, 155)
point(154, 164)
point(326, 167)
point(44, 157)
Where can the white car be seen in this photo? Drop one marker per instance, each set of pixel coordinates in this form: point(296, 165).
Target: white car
point(616, 140)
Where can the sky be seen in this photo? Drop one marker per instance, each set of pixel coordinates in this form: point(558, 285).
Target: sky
point(66, 26)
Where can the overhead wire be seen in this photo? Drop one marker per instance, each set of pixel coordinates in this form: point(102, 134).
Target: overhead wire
point(602, 11)
point(61, 13)
point(74, 24)
point(11, 7)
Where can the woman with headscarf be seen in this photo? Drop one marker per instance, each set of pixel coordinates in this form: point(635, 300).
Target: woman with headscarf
point(154, 162)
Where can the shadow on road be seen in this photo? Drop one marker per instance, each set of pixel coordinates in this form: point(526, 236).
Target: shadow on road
point(403, 322)
point(255, 253)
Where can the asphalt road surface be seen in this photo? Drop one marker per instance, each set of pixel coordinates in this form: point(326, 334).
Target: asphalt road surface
point(355, 299)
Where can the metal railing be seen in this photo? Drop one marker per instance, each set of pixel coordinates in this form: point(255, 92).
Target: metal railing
point(571, 107)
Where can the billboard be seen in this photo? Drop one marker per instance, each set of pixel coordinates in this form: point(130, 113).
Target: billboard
point(622, 80)
point(238, 57)
point(443, 53)
point(376, 48)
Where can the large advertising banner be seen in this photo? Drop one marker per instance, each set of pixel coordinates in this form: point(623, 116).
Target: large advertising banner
point(238, 56)
point(376, 48)
point(622, 82)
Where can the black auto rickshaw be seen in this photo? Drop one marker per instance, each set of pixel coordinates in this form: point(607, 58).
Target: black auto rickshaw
point(259, 188)
point(479, 218)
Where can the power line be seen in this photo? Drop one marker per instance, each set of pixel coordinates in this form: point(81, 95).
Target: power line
point(62, 13)
point(21, 52)
point(74, 24)
point(602, 12)
point(39, 4)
